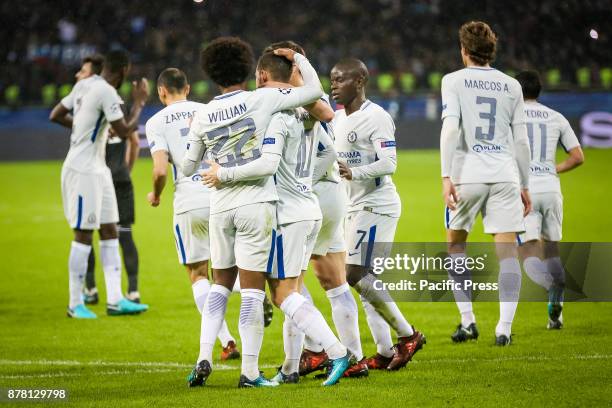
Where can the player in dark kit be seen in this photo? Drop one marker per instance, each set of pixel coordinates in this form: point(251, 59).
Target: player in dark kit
point(121, 155)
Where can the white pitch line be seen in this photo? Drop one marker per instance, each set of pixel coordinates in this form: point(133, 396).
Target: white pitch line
point(64, 374)
point(162, 367)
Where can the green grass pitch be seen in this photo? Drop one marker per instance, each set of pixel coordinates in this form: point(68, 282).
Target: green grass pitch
point(144, 360)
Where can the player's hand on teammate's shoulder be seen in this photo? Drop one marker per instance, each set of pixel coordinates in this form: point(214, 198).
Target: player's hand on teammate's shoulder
point(449, 192)
point(209, 176)
point(153, 199)
point(526, 198)
point(345, 171)
point(140, 91)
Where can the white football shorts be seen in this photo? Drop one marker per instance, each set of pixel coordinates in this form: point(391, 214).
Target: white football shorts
point(294, 244)
point(499, 203)
point(545, 219)
point(333, 202)
point(368, 235)
point(89, 199)
point(242, 236)
point(191, 236)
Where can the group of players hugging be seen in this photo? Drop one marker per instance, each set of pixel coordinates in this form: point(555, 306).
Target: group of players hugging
point(270, 180)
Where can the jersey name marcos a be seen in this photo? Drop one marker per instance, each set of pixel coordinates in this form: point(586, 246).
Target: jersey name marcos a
point(356, 138)
point(167, 130)
point(94, 103)
point(546, 129)
point(488, 103)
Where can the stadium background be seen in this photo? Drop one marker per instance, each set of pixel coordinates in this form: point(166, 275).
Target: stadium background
point(408, 46)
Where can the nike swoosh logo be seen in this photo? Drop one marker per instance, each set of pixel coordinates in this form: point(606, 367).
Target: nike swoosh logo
point(353, 253)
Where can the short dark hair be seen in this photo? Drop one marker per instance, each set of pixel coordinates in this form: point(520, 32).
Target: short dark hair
point(96, 61)
point(227, 61)
point(280, 68)
point(531, 84)
point(173, 79)
point(479, 41)
point(292, 45)
point(116, 60)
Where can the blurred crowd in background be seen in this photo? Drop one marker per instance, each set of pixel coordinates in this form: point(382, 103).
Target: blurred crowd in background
point(407, 45)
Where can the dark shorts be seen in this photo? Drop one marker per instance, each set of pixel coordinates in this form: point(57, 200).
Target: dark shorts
point(125, 201)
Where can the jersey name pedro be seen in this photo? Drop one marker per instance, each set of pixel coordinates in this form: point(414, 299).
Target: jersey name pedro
point(356, 137)
point(167, 130)
point(286, 137)
point(488, 103)
point(94, 103)
point(546, 129)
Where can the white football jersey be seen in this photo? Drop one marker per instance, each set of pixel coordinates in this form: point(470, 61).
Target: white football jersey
point(285, 136)
point(546, 128)
point(488, 103)
point(167, 130)
point(325, 134)
point(357, 138)
point(94, 103)
point(230, 130)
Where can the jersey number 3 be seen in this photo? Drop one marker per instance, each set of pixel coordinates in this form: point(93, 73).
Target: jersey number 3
point(490, 116)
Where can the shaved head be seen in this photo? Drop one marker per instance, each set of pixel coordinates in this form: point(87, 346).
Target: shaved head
point(353, 67)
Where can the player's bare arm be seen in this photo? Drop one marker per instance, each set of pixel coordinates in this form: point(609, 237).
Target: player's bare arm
point(133, 148)
point(61, 115)
point(575, 159)
point(140, 94)
point(449, 137)
point(160, 173)
point(321, 111)
point(523, 158)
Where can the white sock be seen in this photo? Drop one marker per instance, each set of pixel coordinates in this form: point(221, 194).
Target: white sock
point(556, 270)
point(293, 338)
point(384, 305)
point(310, 344)
point(111, 264)
point(309, 320)
point(77, 268)
point(251, 328)
point(224, 334)
point(381, 332)
point(346, 318)
point(537, 271)
point(212, 320)
point(200, 289)
point(509, 291)
point(463, 298)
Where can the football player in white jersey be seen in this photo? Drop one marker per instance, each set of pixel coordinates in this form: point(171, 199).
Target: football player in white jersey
point(329, 253)
point(167, 136)
point(365, 141)
point(539, 248)
point(483, 141)
point(230, 130)
point(287, 153)
point(87, 188)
